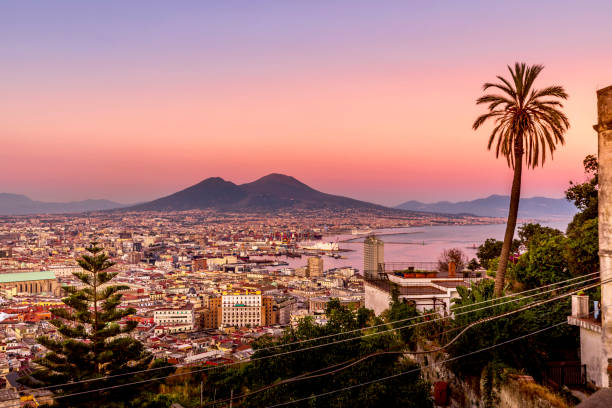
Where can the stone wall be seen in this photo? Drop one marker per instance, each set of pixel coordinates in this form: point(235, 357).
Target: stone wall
point(514, 392)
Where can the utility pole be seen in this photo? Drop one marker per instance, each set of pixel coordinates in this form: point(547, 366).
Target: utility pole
point(231, 398)
point(201, 393)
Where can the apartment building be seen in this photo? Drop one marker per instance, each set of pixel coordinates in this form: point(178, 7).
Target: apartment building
point(373, 256)
point(241, 310)
point(183, 317)
point(315, 266)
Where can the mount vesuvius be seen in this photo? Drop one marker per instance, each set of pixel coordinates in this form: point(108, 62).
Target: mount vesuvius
point(269, 193)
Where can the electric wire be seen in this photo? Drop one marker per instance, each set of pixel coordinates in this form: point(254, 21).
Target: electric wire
point(339, 334)
point(424, 352)
point(416, 369)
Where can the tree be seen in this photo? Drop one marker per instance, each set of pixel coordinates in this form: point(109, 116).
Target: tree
point(582, 233)
point(92, 344)
point(408, 390)
point(529, 354)
point(527, 122)
point(455, 255)
point(582, 251)
point(491, 249)
point(473, 265)
point(544, 263)
point(584, 195)
point(530, 231)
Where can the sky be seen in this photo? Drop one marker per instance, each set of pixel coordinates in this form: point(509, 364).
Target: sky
point(130, 101)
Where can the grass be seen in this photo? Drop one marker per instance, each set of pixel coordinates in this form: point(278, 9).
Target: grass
point(537, 390)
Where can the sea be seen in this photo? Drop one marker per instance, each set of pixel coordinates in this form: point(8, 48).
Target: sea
point(417, 244)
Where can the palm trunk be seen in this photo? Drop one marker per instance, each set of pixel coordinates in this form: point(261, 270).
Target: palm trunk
point(515, 197)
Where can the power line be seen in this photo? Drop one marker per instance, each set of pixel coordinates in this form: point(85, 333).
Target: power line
point(416, 369)
point(431, 351)
point(465, 328)
point(336, 334)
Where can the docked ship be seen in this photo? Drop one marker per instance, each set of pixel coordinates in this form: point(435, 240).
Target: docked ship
point(322, 246)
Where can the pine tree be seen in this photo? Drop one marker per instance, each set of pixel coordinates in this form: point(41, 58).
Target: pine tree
point(91, 343)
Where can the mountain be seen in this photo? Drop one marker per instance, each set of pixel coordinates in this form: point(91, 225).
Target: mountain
point(213, 192)
point(271, 192)
point(17, 204)
point(497, 206)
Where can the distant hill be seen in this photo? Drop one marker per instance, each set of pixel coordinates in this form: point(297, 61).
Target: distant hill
point(497, 206)
point(271, 192)
point(17, 204)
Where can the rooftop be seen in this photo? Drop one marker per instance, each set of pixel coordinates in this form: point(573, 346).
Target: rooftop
point(407, 290)
point(26, 276)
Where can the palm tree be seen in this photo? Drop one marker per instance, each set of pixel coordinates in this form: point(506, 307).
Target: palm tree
point(526, 122)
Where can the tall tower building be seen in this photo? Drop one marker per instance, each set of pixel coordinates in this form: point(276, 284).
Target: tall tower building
point(315, 266)
point(373, 256)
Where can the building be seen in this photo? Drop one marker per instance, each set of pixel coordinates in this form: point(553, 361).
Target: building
point(315, 266)
point(591, 351)
point(30, 282)
point(373, 256)
point(64, 270)
point(269, 311)
point(425, 294)
point(199, 265)
point(240, 310)
point(211, 317)
point(182, 318)
point(427, 288)
point(134, 257)
point(243, 309)
point(285, 308)
point(596, 331)
point(318, 305)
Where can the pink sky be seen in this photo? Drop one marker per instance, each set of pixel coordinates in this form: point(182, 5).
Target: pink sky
point(379, 117)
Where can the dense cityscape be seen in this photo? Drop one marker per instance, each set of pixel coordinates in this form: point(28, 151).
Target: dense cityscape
point(204, 284)
point(305, 204)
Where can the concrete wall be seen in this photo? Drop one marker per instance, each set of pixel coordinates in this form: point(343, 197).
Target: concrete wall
point(591, 354)
point(376, 299)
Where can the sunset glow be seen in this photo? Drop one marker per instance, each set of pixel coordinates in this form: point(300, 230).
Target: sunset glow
point(372, 103)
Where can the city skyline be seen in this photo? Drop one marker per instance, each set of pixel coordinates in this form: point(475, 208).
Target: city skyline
point(374, 103)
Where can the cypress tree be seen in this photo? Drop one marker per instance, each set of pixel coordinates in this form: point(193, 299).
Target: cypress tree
point(90, 341)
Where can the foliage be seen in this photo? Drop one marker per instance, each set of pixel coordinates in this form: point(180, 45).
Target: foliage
point(455, 255)
point(400, 311)
point(582, 250)
point(92, 340)
point(529, 354)
point(490, 378)
point(408, 390)
point(543, 264)
point(527, 232)
point(585, 195)
point(492, 269)
point(473, 264)
point(491, 249)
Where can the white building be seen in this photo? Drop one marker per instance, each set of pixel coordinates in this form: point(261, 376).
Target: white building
point(182, 317)
point(241, 310)
point(64, 270)
point(591, 351)
point(373, 256)
point(425, 293)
